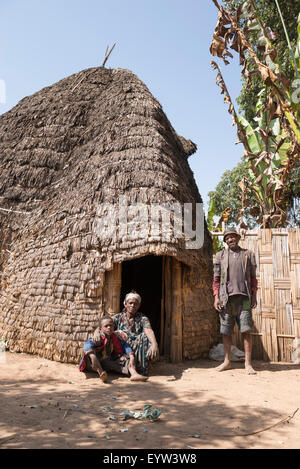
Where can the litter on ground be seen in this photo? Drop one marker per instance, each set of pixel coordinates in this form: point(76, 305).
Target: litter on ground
point(147, 413)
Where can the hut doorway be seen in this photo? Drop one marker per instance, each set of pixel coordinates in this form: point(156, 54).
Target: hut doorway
point(144, 275)
point(159, 281)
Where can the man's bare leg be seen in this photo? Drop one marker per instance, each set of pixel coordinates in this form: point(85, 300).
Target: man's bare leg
point(248, 349)
point(134, 375)
point(97, 367)
point(226, 365)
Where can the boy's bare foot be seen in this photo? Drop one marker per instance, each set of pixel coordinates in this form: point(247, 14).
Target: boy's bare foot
point(249, 370)
point(137, 377)
point(103, 376)
point(224, 366)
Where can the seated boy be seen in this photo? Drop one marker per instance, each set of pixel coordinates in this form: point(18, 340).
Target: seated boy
point(104, 352)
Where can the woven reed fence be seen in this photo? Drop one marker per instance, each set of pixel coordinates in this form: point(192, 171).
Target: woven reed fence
point(277, 315)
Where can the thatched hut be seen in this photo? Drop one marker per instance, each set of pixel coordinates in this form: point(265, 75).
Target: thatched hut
point(68, 154)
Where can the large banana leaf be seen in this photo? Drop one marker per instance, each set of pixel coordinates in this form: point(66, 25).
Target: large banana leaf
point(252, 138)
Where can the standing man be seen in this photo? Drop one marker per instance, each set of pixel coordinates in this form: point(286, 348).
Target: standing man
point(234, 289)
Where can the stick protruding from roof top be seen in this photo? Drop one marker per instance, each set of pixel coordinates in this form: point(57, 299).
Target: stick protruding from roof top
point(107, 54)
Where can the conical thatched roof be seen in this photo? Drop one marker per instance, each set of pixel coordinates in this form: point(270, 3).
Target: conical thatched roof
point(91, 139)
point(83, 141)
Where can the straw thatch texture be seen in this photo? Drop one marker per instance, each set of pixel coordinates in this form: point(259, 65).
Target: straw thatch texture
point(84, 141)
point(277, 316)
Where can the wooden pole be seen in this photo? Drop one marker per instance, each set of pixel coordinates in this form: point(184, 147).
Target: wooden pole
point(162, 309)
point(168, 304)
point(176, 318)
point(112, 290)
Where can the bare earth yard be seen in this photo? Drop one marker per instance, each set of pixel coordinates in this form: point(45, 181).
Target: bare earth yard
point(45, 404)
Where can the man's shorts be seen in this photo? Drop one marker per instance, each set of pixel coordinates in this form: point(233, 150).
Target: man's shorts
point(237, 309)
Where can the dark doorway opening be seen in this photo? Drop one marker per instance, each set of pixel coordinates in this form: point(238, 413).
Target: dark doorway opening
point(144, 275)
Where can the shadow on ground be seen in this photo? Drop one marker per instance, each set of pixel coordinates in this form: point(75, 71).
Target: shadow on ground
point(84, 414)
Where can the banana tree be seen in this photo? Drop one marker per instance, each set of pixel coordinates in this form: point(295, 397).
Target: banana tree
point(272, 147)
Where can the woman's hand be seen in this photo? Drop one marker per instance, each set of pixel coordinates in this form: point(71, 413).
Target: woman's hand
point(153, 352)
point(121, 335)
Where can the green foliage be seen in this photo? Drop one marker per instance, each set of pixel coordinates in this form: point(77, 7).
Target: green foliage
point(294, 197)
point(271, 145)
point(217, 243)
point(269, 16)
point(228, 194)
point(269, 127)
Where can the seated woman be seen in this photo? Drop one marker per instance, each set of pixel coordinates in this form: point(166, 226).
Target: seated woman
point(137, 332)
point(106, 352)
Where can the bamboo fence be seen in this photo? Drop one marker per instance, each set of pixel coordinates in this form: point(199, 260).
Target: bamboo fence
point(277, 315)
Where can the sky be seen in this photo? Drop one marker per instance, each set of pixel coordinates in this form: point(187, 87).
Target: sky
point(164, 42)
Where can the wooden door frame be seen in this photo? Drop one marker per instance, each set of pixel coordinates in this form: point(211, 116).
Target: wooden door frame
point(171, 330)
point(112, 290)
point(172, 309)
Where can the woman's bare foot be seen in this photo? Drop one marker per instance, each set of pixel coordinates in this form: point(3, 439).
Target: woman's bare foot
point(103, 376)
point(137, 377)
point(249, 370)
point(224, 366)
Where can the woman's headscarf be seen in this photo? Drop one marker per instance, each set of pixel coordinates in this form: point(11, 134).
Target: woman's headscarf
point(132, 295)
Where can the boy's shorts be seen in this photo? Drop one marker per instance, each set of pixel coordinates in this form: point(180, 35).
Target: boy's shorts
point(108, 364)
point(237, 309)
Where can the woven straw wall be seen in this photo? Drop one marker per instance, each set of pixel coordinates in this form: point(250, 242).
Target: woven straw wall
point(277, 316)
point(50, 303)
point(200, 328)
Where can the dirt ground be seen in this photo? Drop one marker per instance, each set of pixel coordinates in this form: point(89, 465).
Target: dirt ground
point(46, 404)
